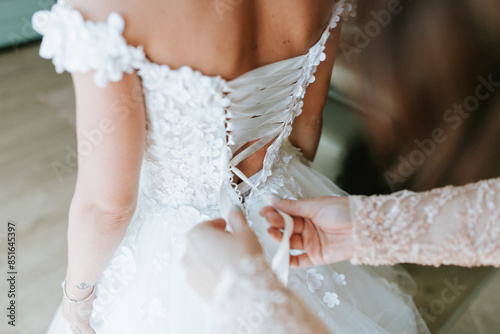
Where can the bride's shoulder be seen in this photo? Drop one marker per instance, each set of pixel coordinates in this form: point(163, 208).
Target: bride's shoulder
point(143, 19)
point(129, 12)
point(98, 10)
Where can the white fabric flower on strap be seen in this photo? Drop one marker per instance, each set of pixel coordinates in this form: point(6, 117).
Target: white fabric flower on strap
point(345, 9)
point(77, 45)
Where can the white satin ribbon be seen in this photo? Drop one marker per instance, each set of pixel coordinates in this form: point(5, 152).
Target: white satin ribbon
point(281, 260)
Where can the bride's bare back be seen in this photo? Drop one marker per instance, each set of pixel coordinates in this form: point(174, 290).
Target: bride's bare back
point(229, 38)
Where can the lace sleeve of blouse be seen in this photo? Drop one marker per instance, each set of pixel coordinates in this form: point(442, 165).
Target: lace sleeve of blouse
point(78, 45)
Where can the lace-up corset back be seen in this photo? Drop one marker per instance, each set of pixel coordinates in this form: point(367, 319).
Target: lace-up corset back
point(196, 123)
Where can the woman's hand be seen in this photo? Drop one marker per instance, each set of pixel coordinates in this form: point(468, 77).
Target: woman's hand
point(209, 249)
point(322, 227)
point(77, 315)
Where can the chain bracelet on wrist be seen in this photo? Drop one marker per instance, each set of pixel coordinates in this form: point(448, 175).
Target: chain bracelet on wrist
point(63, 284)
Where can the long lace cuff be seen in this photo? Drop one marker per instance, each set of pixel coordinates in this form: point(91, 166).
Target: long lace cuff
point(250, 299)
point(450, 225)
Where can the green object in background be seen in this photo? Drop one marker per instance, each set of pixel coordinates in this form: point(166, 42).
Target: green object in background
point(15, 21)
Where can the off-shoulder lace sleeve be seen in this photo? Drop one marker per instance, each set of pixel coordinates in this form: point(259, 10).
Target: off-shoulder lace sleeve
point(250, 299)
point(451, 225)
point(78, 45)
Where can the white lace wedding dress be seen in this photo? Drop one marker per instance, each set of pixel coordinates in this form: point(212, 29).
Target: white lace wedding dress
point(195, 123)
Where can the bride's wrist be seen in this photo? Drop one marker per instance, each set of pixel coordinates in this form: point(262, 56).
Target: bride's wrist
point(77, 290)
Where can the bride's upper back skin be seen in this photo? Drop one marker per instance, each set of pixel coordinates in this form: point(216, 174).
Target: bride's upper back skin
point(229, 38)
point(217, 37)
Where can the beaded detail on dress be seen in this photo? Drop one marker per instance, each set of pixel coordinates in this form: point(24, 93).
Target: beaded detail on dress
point(450, 225)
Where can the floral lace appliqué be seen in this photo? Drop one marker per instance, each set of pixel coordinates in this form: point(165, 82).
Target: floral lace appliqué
point(339, 279)
point(152, 310)
point(313, 279)
point(68, 37)
point(331, 299)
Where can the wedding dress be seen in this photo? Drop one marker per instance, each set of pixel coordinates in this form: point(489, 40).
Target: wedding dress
point(195, 124)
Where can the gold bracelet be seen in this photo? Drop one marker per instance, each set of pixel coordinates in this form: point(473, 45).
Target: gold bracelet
point(63, 284)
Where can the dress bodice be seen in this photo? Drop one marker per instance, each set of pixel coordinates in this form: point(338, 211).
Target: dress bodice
point(195, 122)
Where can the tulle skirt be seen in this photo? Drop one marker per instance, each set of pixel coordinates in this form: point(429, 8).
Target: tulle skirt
point(144, 290)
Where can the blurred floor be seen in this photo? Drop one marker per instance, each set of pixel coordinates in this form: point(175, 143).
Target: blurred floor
point(36, 132)
point(32, 136)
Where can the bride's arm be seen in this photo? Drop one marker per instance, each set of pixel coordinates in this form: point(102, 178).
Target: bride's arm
point(451, 225)
point(110, 126)
point(110, 131)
